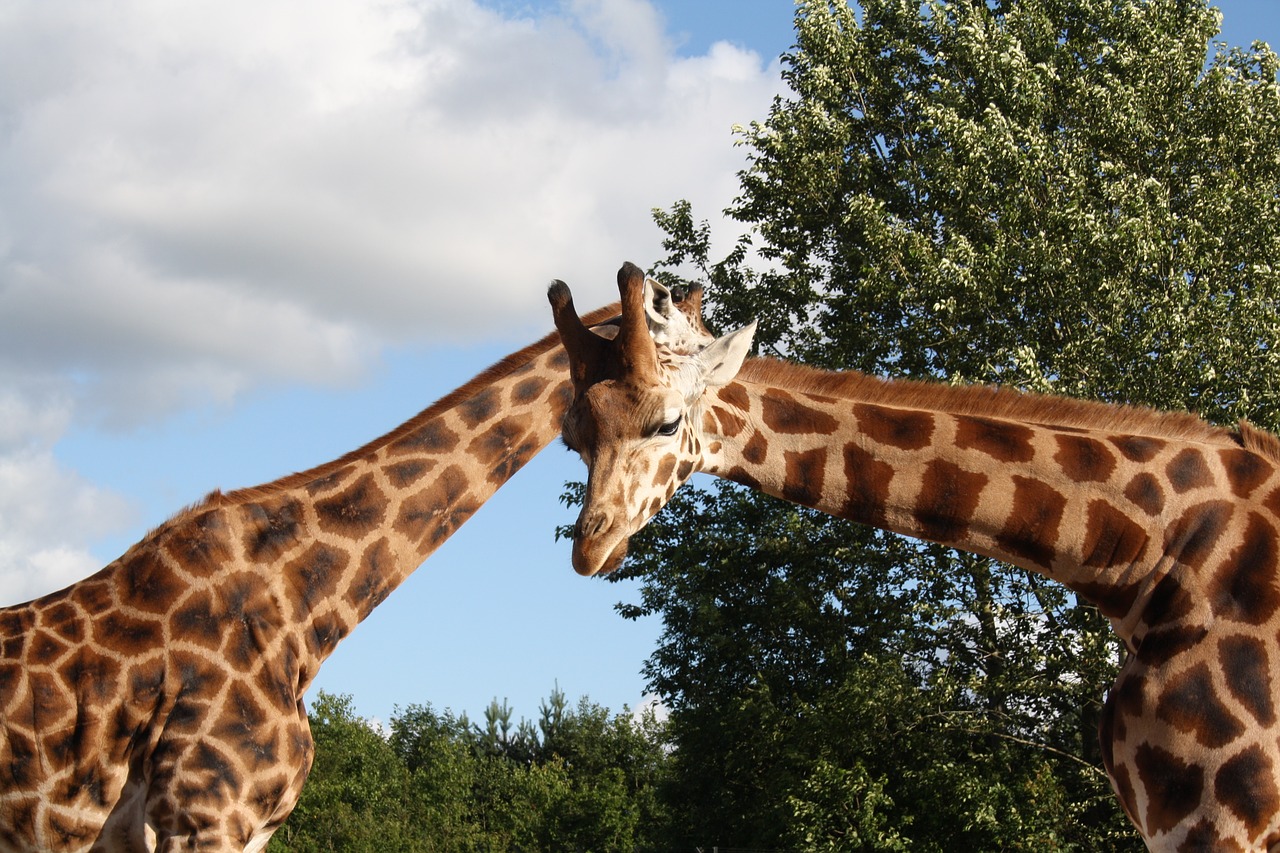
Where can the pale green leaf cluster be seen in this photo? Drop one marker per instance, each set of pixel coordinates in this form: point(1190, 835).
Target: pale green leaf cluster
point(1065, 195)
point(581, 779)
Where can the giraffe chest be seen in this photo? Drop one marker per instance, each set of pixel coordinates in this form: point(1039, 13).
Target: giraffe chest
point(1191, 736)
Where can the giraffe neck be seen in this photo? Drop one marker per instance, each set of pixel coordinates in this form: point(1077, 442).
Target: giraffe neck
point(1103, 499)
point(163, 694)
point(315, 552)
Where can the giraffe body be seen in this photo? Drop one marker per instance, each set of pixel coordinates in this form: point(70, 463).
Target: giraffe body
point(157, 705)
point(1169, 526)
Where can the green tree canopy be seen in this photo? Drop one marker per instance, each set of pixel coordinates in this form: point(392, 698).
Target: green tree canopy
point(581, 779)
point(1075, 196)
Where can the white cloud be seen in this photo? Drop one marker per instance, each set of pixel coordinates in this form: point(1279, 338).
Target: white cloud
point(651, 704)
point(48, 515)
point(249, 190)
point(197, 199)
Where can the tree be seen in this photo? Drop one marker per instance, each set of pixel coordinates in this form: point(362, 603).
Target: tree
point(437, 782)
point(1058, 195)
point(357, 797)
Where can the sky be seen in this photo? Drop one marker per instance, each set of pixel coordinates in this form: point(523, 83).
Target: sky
point(241, 237)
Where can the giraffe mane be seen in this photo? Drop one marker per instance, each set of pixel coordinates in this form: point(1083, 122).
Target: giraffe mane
point(493, 373)
point(1004, 403)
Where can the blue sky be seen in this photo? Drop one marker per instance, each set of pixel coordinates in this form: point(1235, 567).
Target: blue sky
point(244, 239)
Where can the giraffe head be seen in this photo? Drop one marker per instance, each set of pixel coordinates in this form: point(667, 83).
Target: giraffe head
point(636, 412)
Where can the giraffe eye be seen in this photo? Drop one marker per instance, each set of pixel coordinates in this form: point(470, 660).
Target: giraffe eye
point(669, 428)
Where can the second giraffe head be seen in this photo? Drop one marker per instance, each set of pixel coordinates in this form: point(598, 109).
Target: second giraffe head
point(636, 413)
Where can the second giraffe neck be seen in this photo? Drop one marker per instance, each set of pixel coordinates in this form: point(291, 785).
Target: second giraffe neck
point(1096, 497)
point(317, 551)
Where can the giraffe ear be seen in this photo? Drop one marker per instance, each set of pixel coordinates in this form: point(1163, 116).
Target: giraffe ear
point(720, 362)
point(658, 305)
point(669, 323)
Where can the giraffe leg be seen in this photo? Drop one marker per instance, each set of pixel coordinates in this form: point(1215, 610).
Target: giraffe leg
point(212, 794)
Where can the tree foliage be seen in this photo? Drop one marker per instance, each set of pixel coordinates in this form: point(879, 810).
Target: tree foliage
point(1074, 196)
point(579, 779)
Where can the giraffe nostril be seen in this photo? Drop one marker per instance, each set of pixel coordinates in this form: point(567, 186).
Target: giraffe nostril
point(588, 527)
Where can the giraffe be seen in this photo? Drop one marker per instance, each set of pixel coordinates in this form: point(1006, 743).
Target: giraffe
point(158, 704)
point(1166, 524)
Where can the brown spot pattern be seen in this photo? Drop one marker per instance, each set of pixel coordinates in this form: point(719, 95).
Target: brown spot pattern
point(730, 424)
point(356, 510)
point(561, 397)
point(1244, 587)
point(327, 630)
point(784, 414)
point(1203, 837)
point(272, 529)
point(1001, 440)
point(244, 726)
point(948, 498)
point(1111, 599)
point(402, 475)
point(804, 475)
point(1084, 460)
point(905, 429)
point(373, 579)
point(666, 467)
point(866, 486)
point(1246, 471)
point(1111, 538)
point(1246, 785)
point(735, 395)
point(92, 678)
point(1144, 491)
point(1247, 672)
point(127, 634)
point(505, 447)
point(249, 618)
point(1191, 539)
point(480, 408)
point(431, 437)
point(1174, 787)
point(1161, 645)
point(45, 649)
point(1031, 530)
point(1138, 448)
point(1169, 603)
point(528, 390)
point(148, 584)
point(313, 576)
point(1188, 471)
point(742, 476)
point(1190, 704)
point(200, 545)
point(434, 513)
point(196, 622)
point(756, 450)
point(329, 482)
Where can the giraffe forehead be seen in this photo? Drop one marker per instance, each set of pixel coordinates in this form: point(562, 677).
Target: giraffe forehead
point(619, 409)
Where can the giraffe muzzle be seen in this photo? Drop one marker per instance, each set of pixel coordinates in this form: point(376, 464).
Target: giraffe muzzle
point(595, 549)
